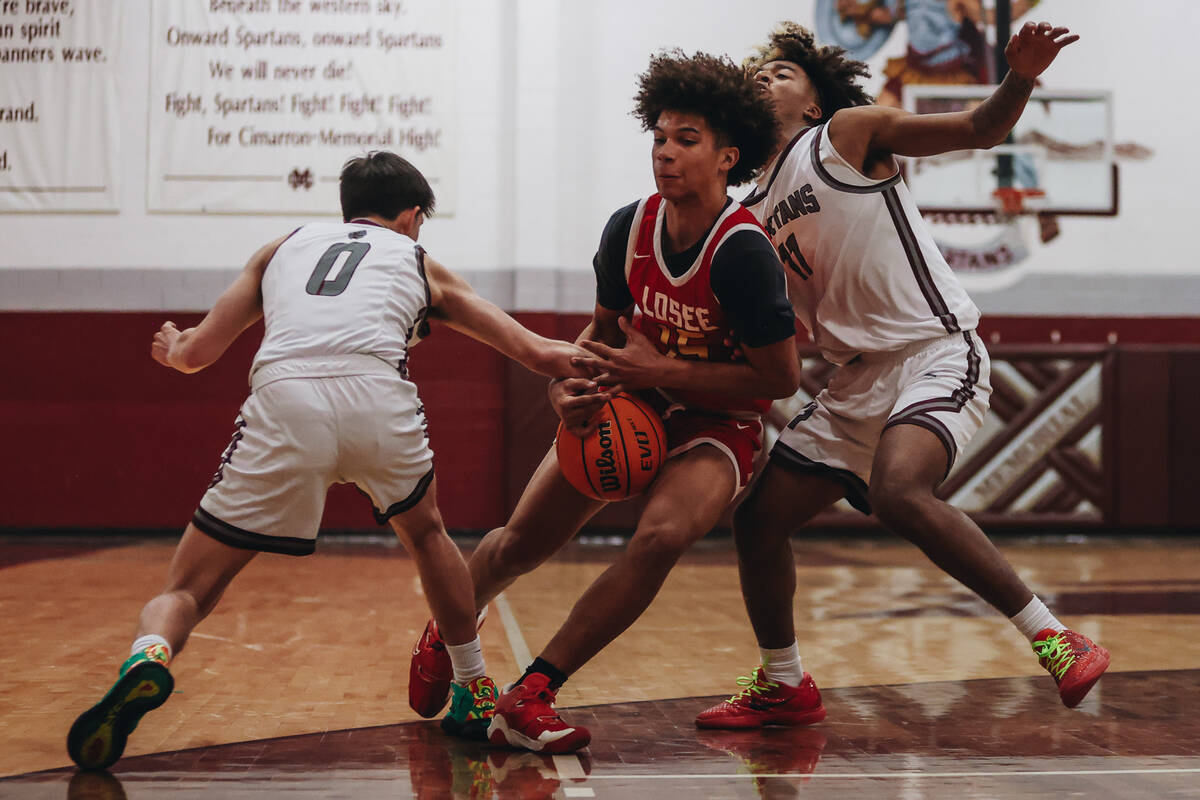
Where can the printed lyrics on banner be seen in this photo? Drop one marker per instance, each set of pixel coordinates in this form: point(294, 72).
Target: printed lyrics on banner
point(58, 100)
point(256, 104)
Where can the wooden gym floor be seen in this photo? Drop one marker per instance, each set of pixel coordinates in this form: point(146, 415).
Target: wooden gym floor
point(296, 685)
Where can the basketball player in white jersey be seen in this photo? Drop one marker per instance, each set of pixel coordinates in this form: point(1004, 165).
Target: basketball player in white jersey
point(331, 402)
point(912, 386)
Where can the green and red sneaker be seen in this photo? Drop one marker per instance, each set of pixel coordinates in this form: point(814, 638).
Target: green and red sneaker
point(1075, 661)
point(471, 709)
point(97, 739)
point(764, 702)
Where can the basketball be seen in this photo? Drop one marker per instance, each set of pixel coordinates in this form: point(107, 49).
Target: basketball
point(621, 457)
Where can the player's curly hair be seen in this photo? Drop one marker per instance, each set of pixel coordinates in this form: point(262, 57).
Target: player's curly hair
point(718, 90)
point(835, 76)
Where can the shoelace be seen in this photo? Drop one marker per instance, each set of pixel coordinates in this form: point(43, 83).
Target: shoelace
point(753, 686)
point(1057, 654)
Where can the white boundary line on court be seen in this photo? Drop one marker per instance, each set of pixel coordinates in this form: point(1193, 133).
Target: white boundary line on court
point(569, 767)
point(904, 775)
point(516, 641)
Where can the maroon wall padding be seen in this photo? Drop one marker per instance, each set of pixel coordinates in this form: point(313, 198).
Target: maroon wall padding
point(96, 435)
point(1141, 430)
point(1185, 438)
point(1156, 437)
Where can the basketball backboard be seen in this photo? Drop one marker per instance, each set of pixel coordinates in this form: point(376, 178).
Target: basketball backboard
point(1059, 158)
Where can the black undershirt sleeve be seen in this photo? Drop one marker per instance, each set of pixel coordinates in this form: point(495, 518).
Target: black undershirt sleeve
point(747, 279)
point(612, 289)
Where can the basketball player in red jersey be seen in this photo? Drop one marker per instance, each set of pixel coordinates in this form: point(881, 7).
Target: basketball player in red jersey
point(912, 387)
point(689, 275)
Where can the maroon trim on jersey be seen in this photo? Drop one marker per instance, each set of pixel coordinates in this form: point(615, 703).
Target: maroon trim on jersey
point(934, 426)
point(920, 413)
point(841, 186)
point(242, 539)
point(400, 506)
point(916, 260)
point(856, 490)
point(757, 196)
point(421, 323)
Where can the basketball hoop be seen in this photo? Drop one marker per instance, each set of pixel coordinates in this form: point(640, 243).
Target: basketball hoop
point(1011, 200)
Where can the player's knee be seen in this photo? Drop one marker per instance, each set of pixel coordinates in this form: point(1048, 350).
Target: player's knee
point(660, 544)
point(418, 528)
point(897, 502)
point(752, 526)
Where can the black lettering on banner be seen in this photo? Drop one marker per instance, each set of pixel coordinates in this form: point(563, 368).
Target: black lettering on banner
point(317, 285)
point(789, 253)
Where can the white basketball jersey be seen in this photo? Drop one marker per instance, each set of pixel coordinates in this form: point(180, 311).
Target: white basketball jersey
point(335, 289)
point(864, 274)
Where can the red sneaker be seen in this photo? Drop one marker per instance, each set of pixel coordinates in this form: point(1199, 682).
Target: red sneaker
point(1075, 661)
point(525, 717)
point(430, 671)
point(764, 702)
point(429, 674)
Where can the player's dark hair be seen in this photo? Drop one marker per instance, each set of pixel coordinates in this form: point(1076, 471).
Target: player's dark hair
point(835, 76)
point(384, 184)
point(718, 90)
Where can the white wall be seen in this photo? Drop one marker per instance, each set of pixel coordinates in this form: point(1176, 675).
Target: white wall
point(547, 150)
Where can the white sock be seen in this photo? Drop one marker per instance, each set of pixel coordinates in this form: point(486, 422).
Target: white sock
point(149, 640)
point(1034, 618)
point(467, 660)
point(783, 665)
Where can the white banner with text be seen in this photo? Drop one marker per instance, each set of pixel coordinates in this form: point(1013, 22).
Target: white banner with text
point(59, 105)
point(255, 105)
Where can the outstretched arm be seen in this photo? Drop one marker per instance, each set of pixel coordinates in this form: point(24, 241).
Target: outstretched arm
point(864, 135)
point(453, 300)
point(238, 307)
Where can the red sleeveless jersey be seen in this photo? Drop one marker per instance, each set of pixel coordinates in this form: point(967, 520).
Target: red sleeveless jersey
point(682, 315)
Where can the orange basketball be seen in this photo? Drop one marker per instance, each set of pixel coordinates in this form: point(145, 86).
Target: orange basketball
point(621, 457)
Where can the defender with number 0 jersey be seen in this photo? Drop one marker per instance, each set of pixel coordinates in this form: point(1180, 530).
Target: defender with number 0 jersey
point(340, 301)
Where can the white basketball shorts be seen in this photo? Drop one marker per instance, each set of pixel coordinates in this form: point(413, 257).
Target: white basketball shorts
point(300, 432)
point(941, 384)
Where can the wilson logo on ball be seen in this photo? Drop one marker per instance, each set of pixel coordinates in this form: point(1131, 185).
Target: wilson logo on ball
point(621, 457)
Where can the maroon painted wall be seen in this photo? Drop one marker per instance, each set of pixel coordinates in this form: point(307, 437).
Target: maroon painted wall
point(96, 435)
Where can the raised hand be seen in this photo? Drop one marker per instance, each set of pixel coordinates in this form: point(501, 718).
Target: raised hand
point(160, 348)
point(1035, 46)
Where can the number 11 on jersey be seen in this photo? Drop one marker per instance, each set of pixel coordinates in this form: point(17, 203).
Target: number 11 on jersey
point(789, 253)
